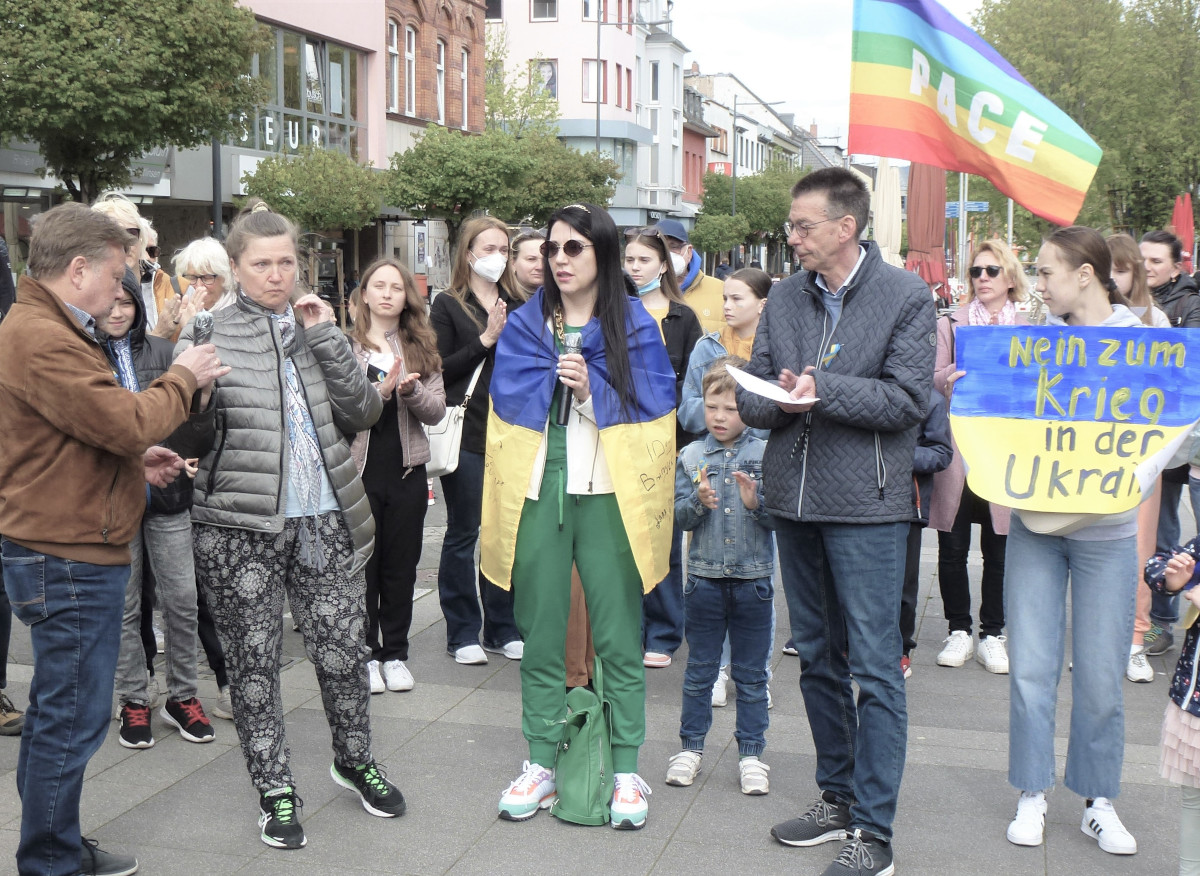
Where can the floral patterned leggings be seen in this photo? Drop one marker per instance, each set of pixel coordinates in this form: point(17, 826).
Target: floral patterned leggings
point(245, 575)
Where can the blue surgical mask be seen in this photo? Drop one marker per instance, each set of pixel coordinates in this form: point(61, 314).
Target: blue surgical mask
point(651, 286)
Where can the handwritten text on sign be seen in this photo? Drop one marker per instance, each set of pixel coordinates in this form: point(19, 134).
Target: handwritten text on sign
point(1069, 419)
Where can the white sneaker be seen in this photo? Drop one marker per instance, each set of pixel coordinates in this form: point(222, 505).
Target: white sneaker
point(224, 706)
point(992, 654)
point(396, 676)
point(683, 768)
point(514, 650)
point(753, 774)
point(958, 649)
point(532, 790)
point(1030, 823)
point(719, 692)
point(470, 655)
point(1138, 668)
point(377, 685)
point(1100, 821)
point(629, 807)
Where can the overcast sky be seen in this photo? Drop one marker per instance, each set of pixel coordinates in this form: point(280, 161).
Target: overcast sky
point(796, 51)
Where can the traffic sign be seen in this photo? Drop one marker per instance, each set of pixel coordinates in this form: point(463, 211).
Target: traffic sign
point(972, 207)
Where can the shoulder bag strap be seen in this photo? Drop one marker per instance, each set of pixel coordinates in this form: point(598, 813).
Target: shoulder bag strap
point(474, 380)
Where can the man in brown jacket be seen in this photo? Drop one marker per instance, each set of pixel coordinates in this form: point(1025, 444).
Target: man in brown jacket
point(78, 450)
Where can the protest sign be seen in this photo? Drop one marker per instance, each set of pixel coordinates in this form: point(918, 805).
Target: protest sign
point(1072, 419)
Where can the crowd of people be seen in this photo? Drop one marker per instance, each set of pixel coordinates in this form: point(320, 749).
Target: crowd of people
point(255, 454)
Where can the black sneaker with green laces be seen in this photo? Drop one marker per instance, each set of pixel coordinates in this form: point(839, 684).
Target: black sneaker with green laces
point(280, 819)
point(379, 796)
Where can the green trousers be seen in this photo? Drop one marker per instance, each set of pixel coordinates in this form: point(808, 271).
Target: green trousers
point(557, 530)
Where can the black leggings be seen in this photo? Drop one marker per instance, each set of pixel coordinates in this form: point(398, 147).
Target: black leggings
point(952, 568)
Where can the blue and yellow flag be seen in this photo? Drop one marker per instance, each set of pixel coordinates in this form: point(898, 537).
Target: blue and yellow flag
point(1072, 419)
point(639, 444)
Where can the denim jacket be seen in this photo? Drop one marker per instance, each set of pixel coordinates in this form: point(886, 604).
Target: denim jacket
point(733, 541)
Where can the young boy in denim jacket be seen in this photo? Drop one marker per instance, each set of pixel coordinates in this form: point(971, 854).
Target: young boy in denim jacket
point(719, 498)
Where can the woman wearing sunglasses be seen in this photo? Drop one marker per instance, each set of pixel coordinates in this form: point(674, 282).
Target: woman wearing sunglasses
point(576, 442)
point(997, 284)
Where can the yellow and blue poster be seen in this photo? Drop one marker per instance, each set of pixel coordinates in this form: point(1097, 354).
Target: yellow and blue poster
point(1072, 419)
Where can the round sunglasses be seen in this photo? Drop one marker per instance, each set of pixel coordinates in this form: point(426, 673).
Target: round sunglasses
point(572, 248)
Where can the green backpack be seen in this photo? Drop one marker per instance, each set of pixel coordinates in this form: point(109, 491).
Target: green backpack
point(583, 769)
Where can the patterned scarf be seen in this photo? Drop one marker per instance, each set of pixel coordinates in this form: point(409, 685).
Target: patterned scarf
point(978, 314)
point(126, 373)
point(307, 465)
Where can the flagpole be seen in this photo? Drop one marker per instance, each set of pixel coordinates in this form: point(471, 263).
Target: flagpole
point(962, 229)
point(1010, 218)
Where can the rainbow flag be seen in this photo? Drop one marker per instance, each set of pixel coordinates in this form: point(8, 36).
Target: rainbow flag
point(925, 87)
point(639, 445)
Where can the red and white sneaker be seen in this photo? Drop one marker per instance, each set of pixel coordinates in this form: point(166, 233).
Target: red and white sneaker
point(629, 808)
point(532, 790)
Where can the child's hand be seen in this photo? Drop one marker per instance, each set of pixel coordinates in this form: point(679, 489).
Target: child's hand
point(1179, 571)
point(749, 489)
point(708, 496)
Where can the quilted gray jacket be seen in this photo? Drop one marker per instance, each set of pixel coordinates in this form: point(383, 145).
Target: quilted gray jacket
point(849, 459)
point(241, 482)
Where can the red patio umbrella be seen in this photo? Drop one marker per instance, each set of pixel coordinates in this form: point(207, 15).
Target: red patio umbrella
point(1185, 227)
point(927, 226)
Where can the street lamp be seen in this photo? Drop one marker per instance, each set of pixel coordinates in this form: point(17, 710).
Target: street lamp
point(736, 114)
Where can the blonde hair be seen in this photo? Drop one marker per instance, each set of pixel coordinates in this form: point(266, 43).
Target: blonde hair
point(123, 211)
point(460, 275)
point(1017, 290)
point(1128, 257)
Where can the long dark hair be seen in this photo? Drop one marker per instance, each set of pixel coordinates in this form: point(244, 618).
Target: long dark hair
point(417, 338)
point(612, 294)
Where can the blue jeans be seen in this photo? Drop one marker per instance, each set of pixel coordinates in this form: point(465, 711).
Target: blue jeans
point(460, 595)
point(743, 608)
point(662, 607)
point(843, 583)
point(73, 611)
point(1037, 571)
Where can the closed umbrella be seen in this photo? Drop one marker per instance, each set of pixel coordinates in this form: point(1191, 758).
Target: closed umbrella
point(887, 212)
point(927, 226)
point(1184, 228)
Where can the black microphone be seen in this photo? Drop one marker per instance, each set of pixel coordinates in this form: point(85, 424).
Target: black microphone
point(572, 343)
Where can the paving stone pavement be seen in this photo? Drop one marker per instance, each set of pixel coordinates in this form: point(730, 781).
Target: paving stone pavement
point(454, 742)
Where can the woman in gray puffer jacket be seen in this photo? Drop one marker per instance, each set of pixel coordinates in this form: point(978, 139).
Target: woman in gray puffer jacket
point(279, 508)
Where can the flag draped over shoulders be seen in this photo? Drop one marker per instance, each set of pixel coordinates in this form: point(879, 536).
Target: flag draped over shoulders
point(638, 443)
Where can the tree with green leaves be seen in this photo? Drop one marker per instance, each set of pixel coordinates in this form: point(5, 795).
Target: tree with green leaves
point(1126, 72)
point(97, 84)
point(763, 202)
point(718, 232)
point(450, 175)
point(318, 189)
point(515, 102)
point(560, 175)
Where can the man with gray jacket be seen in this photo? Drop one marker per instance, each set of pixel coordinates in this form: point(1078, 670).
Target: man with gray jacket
point(852, 340)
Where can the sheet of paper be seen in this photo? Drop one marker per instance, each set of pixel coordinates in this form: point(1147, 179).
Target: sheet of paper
point(765, 388)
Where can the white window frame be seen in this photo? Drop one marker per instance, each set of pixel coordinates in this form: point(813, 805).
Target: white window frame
point(393, 54)
point(464, 76)
point(440, 67)
point(410, 71)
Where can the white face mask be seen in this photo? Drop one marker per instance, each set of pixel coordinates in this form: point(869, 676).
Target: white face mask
point(678, 264)
point(490, 267)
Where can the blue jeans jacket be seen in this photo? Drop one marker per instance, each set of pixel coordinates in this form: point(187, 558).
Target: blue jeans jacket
point(732, 541)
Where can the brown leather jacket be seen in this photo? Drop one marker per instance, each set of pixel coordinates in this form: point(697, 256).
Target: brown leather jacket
point(71, 437)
